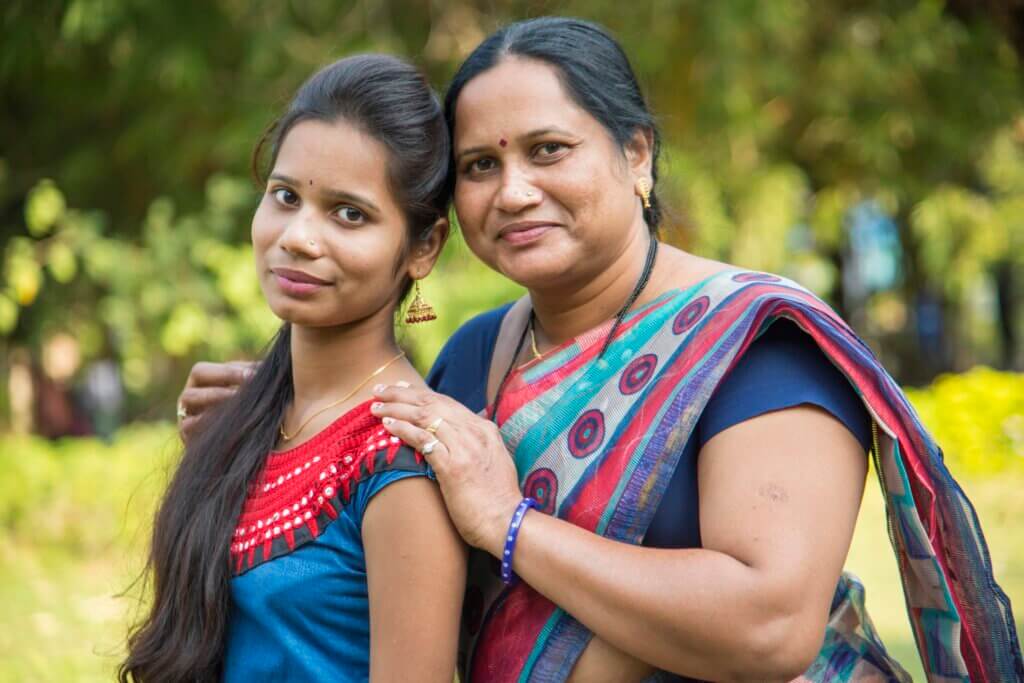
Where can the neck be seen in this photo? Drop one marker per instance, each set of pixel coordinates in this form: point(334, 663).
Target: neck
point(330, 361)
point(566, 312)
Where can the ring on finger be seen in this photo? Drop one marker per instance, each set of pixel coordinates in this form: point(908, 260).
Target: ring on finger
point(435, 425)
point(429, 447)
point(181, 412)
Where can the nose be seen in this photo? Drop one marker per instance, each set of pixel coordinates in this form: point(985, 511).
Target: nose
point(517, 194)
point(299, 237)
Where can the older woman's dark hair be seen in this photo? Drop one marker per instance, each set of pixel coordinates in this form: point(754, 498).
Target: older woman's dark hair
point(593, 69)
point(182, 638)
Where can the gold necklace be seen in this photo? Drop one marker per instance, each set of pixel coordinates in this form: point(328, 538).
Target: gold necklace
point(344, 398)
point(533, 341)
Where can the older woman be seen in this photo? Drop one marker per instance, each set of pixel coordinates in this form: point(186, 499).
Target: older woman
point(690, 437)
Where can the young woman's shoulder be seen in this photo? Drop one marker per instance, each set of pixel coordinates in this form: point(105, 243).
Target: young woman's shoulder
point(382, 469)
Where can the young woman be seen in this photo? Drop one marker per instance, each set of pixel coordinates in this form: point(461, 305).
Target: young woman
point(694, 434)
point(298, 540)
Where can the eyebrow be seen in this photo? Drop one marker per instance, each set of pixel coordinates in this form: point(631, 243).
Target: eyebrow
point(335, 195)
point(535, 133)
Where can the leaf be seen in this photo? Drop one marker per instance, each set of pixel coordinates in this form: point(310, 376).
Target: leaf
point(44, 206)
point(8, 315)
point(60, 260)
point(185, 328)
point(24, 277)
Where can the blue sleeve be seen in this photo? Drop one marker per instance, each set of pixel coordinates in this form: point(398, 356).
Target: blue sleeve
point(376, 483)
point(783, 368)
point(461, 368)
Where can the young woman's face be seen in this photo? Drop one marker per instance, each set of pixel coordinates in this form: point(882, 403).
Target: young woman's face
point(543, 193)
point(328, 235)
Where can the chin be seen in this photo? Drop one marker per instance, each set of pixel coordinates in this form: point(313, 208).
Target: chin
point(537, 268)
point(295, 313)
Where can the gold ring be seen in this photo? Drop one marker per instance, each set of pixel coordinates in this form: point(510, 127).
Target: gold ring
point(435, 425)
point(181, 412)
point(428, 448)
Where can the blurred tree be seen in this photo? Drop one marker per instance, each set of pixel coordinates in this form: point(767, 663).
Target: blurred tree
point(126, 128)
point(1008, 15)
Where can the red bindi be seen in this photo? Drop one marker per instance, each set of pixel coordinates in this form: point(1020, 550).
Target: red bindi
point(503, 142)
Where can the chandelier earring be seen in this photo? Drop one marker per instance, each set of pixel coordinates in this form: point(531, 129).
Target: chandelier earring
point(419, 310)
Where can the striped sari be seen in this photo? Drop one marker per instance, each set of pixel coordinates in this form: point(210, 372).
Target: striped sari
point(595, 442)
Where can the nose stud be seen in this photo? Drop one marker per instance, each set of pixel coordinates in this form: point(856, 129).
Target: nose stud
point(312, 244)
point(529, 193)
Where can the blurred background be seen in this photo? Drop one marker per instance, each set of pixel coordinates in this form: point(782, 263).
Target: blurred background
point(871, 150)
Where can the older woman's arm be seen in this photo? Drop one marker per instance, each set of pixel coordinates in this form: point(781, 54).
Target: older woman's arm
point(779, 498)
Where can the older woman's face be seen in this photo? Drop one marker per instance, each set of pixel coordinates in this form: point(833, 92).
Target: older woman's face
point(543, 193)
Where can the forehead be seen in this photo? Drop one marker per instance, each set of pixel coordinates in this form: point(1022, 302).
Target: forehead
point(335, 154)
point(513, 97)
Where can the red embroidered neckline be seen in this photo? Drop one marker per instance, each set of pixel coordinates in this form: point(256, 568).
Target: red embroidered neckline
point(302, 489)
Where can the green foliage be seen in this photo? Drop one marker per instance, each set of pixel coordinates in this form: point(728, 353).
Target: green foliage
point(977, 418)
point(74, 524)
point(83, 495)
point(184, 289)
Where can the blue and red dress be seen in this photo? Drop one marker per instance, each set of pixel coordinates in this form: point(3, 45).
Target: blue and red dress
point(300, 608)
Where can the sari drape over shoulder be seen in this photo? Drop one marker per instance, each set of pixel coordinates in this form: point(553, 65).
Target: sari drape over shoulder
point(596, 440)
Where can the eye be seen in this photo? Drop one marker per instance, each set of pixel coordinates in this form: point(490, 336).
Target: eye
point(550, 151)
point(285, 196)
point(481, 165)
point(350, 214)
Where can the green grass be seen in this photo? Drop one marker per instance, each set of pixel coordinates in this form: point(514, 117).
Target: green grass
point(62, 620)
point(73, 532)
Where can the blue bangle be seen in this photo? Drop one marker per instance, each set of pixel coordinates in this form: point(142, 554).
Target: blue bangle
point(510, 539)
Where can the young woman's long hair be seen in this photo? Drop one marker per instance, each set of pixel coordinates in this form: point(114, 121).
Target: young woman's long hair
point(182, 637)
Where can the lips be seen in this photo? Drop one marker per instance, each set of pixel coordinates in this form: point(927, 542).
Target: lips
point(297, 282)
point(523, 232)
point(298, 276)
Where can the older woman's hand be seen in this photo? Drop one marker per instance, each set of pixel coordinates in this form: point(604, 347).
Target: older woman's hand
point(477, 476)
point(209, 384)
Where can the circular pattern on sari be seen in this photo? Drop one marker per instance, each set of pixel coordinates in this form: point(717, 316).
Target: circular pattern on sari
point(542, 486)
point(586, 435)
point(755, 277)
point(690, 314)
point(637, 373)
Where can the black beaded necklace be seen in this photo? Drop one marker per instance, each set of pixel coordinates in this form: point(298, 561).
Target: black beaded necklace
point(641, 283)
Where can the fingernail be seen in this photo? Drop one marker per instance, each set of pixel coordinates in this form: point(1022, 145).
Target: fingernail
point(404, 385)
point(376, 406)
point(387, 420)
point(248, 372)
point(379, 388)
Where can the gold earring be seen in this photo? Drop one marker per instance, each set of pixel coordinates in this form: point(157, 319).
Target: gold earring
point(419, 311)
point(643, 188)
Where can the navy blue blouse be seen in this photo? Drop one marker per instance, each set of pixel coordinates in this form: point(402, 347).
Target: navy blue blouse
point(782, 368)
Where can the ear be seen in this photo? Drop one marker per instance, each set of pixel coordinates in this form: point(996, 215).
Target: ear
point(425, 251)
point(639, 150)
